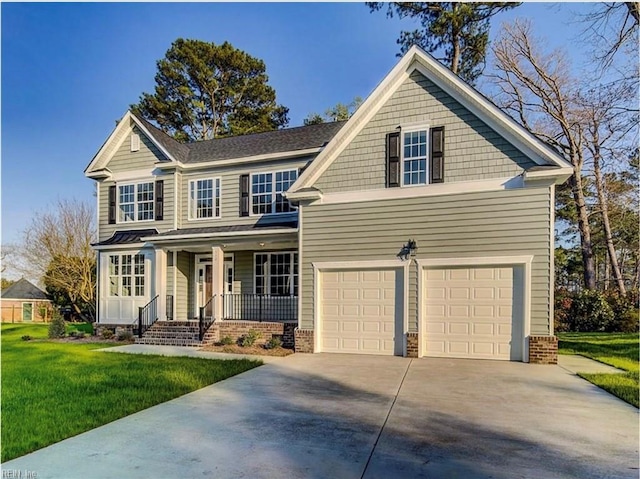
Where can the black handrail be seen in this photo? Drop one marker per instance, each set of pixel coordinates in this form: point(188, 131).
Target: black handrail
point(259, 307)
point(147, 315)
point(205, 321)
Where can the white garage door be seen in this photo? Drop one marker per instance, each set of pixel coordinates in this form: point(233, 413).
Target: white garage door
point(469, 313)
point(359, 312)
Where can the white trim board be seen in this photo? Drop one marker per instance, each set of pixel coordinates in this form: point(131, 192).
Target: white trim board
point(523, 261)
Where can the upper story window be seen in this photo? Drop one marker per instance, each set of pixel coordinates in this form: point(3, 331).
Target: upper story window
point(126, 275)
point(135, 202)
point(414, 157)
point(204, 198)
point(267, 189)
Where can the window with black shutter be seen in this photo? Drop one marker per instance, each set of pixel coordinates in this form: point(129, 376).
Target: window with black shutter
point(244, 195)
point(159, 199)
point(393, 159)
point(436, 165)
point(112, 205)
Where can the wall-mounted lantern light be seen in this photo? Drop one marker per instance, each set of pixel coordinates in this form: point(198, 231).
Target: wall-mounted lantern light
point(407, 250)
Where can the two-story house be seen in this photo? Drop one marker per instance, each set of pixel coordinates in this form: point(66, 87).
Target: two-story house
point(422, 226)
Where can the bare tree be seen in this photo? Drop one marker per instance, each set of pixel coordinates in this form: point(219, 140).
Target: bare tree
point(537, 89)
point(612, 26)
point(57, 247)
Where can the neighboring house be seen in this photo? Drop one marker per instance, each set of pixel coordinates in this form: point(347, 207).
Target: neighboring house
point(311, 229)
point(23, 301)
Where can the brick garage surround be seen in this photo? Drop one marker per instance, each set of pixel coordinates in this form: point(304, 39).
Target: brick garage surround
point(412, 345)
point(304, 340)
point(236, 329)
point(543, 349)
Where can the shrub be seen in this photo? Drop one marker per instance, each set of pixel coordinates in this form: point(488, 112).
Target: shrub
point(57, 328)
point(625, 312)
point(107, 334)
point(563, 300)
point(26, 337)
point(226, 341)
point(590, 312)
point(250, 338)
point(125, 335)
point(273, 343)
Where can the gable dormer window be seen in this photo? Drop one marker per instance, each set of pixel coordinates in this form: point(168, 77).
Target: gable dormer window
point(415, 156)
point(135, 142)
point(135, 202)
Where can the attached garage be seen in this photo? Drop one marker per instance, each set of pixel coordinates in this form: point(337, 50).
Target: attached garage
point(474, 311)
point(361, 309)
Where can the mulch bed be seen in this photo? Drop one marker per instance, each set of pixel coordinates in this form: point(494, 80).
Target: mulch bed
point(257, 350)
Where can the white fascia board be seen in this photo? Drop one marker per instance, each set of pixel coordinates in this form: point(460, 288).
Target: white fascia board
point(437, 189)
point(151, 138)
point(283, 155)
point(302, 195)
point(225, 234)
point(561, 175)
point(102, 174)
point(128, 246)
point(474, 261)
point(112, 144)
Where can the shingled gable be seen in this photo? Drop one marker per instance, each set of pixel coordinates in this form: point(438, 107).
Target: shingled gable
point(295, 141)
point(23, 289)
point(416, 59)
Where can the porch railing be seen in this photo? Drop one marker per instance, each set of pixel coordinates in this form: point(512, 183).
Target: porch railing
point(147, 315)
point(259, 307)
point(206, 316)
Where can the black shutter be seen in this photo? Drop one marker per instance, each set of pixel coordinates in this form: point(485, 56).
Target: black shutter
point(436, 161)
point(159, 199)
point(393, 159)
point(112, 205)
point(244, 195)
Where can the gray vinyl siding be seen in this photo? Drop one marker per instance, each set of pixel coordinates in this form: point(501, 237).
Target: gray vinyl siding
point(473, 151)
point(498, 223)
point(230, 193)
point(106, 230)
point(243, 272)
point(126, 160)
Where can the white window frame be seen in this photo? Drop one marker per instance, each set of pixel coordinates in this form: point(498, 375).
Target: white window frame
point(295, 272)
point(136, 203)
point(414, 129)
point(274, 193)
point(217, 199)
point(137, 277)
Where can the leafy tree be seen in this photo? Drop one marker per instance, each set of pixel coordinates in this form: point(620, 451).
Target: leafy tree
point(205, 91)
point(5, 283)
point(460, 31)
point(339, 112)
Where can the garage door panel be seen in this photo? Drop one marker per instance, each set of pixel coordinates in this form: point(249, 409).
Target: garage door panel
point(469, 313)
point(367, 314)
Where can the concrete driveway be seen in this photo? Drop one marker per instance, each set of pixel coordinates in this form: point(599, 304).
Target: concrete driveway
point(344, 416)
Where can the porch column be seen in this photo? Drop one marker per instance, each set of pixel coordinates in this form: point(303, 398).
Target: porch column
point(217, 280)
point(160, 282)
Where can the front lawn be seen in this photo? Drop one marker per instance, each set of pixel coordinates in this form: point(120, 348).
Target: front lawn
point(53, 390)
point(615, 349)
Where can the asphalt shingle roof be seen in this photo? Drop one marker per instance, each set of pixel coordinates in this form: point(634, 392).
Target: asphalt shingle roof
point(23, 289)
point(277, 141)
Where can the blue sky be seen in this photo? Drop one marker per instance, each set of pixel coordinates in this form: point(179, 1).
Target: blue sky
point(70, 70)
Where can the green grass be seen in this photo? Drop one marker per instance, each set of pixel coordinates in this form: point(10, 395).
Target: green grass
point(620, 350)
point(52, 391)
point(86, 328)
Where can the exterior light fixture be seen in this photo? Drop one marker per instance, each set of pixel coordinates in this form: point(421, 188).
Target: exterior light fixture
point(407, 250)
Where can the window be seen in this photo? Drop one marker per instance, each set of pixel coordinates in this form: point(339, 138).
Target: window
point(276, 273)
point(267, 189)
point(414, 157)
point(135, 202)
point(126, 275)
point(204, 198)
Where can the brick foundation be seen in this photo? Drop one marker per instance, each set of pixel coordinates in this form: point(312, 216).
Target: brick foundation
point(412, 345)
point(543, 350)
point(304, 340)
point(116, 329)
point(236, 329)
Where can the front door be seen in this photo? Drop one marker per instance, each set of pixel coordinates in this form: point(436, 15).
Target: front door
point(204, 283)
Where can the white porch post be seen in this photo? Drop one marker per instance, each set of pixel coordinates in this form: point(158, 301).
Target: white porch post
point(160, 275)
point(217, 266)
